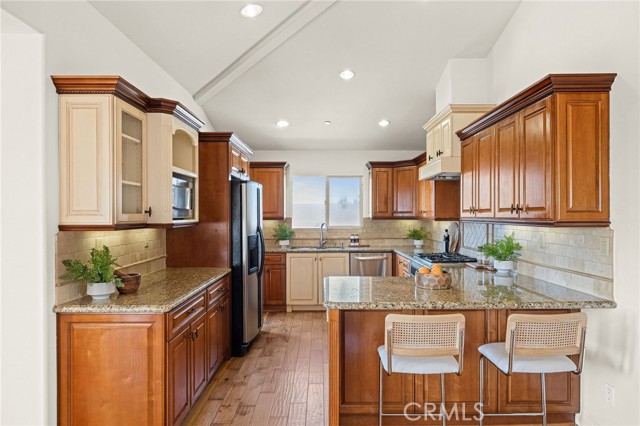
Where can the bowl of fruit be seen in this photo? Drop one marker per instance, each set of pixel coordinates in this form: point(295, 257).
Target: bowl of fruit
point(433, 279)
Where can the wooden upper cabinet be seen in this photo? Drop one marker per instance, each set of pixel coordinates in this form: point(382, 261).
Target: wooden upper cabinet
point(438, 199)
point(551, 154)
point(104, 169)
point(239, 158)
point(272, 177)
point(405, 181)
point(484, 190)
point(382, 193)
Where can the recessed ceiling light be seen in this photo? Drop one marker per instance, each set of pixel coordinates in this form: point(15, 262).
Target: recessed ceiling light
point(347, 74)
point(282, 123)
point(327, 123)
point(251, 10)
point(383, 123)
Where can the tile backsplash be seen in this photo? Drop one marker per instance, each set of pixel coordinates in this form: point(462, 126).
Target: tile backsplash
point(136, 250)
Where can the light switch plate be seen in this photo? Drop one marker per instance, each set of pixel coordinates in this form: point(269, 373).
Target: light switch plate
point(604, 246)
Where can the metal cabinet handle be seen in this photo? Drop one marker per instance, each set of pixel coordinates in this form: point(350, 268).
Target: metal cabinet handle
point(518, 208)
point(430, 158)
point(512, 208)
point(148, 211)
point(439, 153)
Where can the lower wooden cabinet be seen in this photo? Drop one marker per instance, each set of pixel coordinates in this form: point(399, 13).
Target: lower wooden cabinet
point(146, 369)
point(401, 266)
point(274, 282)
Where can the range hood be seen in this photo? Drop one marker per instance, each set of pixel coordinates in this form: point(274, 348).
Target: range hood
point(446, 168)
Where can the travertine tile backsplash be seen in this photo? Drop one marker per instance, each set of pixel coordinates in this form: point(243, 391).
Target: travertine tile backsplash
point(137, 250)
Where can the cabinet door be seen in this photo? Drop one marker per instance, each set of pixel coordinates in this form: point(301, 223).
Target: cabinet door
point(274, 286)
point(224, 333)
point(245, 166)
point(582, 191)
point(213, 340)
point(302, 287)
point(331, 265)
point(484, 173)
point(507, 168)
point(272, 180)
point(178, 358)
point(447, 133)
point(405, 181)
point(467, 177)
point(430, 147)
point(199, 361)
point(86, 132)
point(381, 193)
point(131, 164)
point(437, 142)
point(429, 200)
point(535, 161)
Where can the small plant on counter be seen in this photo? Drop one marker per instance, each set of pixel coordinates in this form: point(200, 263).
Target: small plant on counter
point(503, 249)
point(282, 232)
point(416, 234)
point(99, 269)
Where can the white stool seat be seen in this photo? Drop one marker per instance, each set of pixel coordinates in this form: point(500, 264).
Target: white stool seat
point(498, 355)
point(419, 364)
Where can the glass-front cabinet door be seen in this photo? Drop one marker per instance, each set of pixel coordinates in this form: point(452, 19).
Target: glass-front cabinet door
point(131, 190)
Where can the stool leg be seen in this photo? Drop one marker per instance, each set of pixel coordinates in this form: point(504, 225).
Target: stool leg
point(443, 410)
point(380, 394)
point(481, 413)
point(544, 400)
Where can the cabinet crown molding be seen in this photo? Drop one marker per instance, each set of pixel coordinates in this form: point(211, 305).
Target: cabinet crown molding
point(552, 83)
point(402, 163)
point(456, 109)
point(227, 137)
point(121, 88)
point(269, 165)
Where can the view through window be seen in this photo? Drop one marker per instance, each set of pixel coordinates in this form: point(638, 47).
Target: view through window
point(334, 200)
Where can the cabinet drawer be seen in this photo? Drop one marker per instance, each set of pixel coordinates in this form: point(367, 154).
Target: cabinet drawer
point(275, 258)
point(183, 314)
point(217, 290)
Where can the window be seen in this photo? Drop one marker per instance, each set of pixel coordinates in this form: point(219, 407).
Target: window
point(334, 200)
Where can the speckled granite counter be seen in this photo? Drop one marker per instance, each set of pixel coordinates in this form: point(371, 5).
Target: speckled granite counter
point(159, 292)
point(471, 289)
point(405, 251)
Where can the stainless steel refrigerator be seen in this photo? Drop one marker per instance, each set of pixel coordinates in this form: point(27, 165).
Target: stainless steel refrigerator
point(247, 264)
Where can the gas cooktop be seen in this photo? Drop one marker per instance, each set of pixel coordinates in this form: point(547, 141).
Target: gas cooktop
point(446, 258)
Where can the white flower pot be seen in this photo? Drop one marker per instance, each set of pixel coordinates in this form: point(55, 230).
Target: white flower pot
point(503, 266)
point(418, 243)
point(283, 243)
point(101, 291)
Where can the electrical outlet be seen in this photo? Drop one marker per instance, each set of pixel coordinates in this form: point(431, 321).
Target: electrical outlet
point(604, 246)
point(609, 394)
point(146, 244)
point(99, 242)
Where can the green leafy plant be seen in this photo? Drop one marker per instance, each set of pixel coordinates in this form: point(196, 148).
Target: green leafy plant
point(416, 234)
point(99, 269)
point(282, 232)
point(503, 249)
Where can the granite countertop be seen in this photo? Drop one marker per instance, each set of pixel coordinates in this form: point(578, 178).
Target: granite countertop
point(405, 251)
point(159, 292)
point(471, 289)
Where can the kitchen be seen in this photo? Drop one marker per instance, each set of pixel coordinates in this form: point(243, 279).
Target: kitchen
point(517, 59)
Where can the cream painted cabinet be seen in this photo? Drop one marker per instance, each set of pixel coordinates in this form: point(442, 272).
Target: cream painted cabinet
point(102, 162)
point(305, 277)
point(174, 151)
point(442, 142)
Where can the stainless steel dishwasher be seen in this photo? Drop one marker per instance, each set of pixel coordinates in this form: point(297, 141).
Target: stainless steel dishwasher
point(370, 264)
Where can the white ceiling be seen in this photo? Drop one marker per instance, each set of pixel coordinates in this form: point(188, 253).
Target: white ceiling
point(284, 64)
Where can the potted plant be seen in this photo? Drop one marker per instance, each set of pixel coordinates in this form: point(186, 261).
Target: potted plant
point(98, 273)
point(417, 235)
point(503, 251)
point(282, 233)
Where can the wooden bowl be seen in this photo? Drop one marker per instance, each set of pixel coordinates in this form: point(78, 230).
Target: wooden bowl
point(131, 283)
point(432, 281)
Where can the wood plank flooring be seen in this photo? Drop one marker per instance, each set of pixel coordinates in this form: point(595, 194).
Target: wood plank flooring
point(281, 381)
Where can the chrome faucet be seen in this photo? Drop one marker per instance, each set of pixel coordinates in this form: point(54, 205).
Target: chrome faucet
point(322, 240)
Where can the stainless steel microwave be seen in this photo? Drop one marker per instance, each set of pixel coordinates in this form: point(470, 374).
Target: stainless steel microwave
point(183, 197)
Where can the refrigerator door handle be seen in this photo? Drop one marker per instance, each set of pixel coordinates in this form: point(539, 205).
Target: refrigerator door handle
point(262, 251)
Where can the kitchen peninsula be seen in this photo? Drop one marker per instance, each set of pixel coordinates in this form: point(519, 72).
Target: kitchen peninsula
point(357, 307)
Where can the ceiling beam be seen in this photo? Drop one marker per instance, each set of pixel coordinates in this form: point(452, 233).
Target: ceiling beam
point(304, 15)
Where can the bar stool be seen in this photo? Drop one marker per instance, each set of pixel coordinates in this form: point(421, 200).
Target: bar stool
point(536, 344)
point(422, 344)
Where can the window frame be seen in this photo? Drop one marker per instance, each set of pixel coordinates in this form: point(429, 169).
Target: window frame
point(327, 201)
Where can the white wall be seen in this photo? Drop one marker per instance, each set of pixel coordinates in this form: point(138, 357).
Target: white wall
point(336, 163)
point(24, 308)
point(77, 40)
point(576, 37)
point(464, 81)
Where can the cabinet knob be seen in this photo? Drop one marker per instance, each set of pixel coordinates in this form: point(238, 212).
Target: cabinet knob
point(512, 208)
point(430, 158)
point(439, 153)
point(148, 212)
point(518, 208)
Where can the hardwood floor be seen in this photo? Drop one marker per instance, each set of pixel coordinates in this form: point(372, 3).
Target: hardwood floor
point(281, 381)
